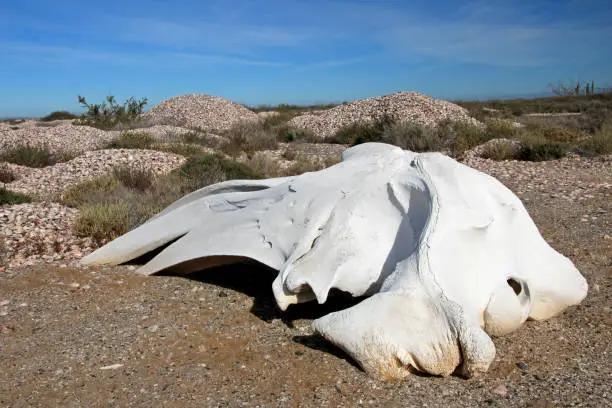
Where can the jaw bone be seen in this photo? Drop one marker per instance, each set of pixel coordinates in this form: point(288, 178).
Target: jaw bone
point(447, 254)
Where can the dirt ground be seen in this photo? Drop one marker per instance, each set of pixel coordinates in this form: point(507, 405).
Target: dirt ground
point(88, 337)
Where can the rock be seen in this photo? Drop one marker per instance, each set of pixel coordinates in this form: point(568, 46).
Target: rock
point(111, 367)
point(501, 389)
point(523, 366)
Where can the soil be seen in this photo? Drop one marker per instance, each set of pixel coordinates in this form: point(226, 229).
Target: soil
point(74, 337)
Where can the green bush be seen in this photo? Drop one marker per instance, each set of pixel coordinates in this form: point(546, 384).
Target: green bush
point(58, 115)
point(361, 132)
point(205, 169)
point(33, 156)
point(132, 140)
point(542, 152)
point(109, 114)
point(8, 197)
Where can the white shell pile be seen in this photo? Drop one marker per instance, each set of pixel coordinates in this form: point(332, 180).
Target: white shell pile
point(55, 179)
point(61, 135)
point(401, 106)
point(40, 231)
point(200, 111)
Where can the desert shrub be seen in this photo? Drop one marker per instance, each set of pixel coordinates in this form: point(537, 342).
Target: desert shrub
point(304, 164)
point(183, 149)
point(103, 221)
point(459, 136)
point(6, 174)
point(205, 169)
point(290, 153)
point(137, 178)
point(601, 141)
point(58, 115)
point(8, 197)
point(411, 136)
point(109, 114)
point(361, 132)
point(249, 137)
point(33, 156)
point(132, 140)
point(501, 129)
point(264, 165)
point(90, 191)
point(542, 152)
point(288, 134)
point(116, 203)
point(191, 137)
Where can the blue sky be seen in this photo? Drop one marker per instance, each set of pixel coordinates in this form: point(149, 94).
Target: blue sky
point(291, 51)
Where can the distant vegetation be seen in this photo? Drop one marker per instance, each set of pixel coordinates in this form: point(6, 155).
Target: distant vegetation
point(293, 109)
point(109, 113)
point(58, 115)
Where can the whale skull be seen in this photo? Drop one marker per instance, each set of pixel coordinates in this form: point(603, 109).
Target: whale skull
point(447, 255)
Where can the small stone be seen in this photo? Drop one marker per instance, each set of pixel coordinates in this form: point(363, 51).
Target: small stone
point(222, 294)
point(523, 366)
point(153, 328)
point(111, 367)
point(5, 302)
point(501, 389)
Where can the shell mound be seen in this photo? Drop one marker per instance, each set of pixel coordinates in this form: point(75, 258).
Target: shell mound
point(207, 112)
point(401, 107)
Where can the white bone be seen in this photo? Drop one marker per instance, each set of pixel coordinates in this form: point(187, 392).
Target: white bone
point(446, 253)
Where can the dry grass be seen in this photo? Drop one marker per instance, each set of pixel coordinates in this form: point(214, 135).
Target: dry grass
point(34, 156)
point(249, 137)
point(131, 140)
point(116, 203)
point(601, 141)
point(183, 149)
point(6, 174)
point(136, 178)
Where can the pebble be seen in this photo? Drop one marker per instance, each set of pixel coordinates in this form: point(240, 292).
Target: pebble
point(501, 389)
point(111, 367)
point(523, 366)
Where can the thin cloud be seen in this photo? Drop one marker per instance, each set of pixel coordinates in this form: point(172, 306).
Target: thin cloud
point(62, 55)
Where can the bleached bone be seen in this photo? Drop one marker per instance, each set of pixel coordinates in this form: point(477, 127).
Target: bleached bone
point(447, 254)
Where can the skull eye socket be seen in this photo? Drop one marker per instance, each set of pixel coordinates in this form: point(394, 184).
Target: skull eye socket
point(515, 285)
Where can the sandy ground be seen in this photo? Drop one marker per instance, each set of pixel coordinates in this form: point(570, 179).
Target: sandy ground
point(90, 337)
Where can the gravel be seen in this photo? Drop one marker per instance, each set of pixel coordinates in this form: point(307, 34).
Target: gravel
point(206, 112)
point(401, 107)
